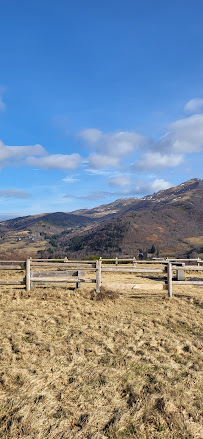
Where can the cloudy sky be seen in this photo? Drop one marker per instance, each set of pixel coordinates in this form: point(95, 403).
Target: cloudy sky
point(99, 100)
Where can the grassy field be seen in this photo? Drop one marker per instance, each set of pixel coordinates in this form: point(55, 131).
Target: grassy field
point(117, 366)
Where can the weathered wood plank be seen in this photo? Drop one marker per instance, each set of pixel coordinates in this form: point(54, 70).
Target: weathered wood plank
point(180, 275)
point(12, 282)
point(27, 274)
point(133, 270)
point(12, 262)
point(88, 280)
point(10, 267)
point(98, 275)
point(135, 260)
point(188, 268)
point(188, 282)
point(170, 277)
point(57, 273)
point(77, 266)
point(63, 261)
point(54, 279)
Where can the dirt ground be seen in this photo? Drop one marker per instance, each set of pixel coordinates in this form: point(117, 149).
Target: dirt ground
point(123, 364)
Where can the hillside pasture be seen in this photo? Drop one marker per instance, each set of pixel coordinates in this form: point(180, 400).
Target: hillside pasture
point(118, 365)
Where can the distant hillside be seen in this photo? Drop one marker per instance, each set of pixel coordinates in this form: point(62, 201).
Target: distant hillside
point(42, 233)
point(166, 223)
point(169, 222)
point(108, 209)
point(57, 219)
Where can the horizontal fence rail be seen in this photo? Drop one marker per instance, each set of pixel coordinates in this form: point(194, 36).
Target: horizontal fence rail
point(72, 271)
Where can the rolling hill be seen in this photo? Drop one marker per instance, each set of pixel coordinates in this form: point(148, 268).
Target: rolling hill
point(42, 233)
point(166, 223)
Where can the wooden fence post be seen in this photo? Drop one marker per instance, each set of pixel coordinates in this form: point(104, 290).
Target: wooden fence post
point(98, 276)
point(27, 275)
point(116, 262)
point(170, 278)
point(134, 262)
point(78, 284)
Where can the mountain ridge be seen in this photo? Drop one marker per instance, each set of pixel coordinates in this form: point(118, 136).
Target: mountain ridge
point(169, 221)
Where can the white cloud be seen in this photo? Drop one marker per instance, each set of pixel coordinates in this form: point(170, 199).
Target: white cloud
point(154, 160)
point(8, 193)
point(159, 185)
point(13, 153)
point(97, 171)
point(91, 135)
point(37, 156)
point(99, 161)
point(147, 188)
point(141, 189)
point(194, 106)
point(184, 136)
point(122, 143)
point(113, 144)
point(70, 179)
point(120, 180)
point(56, 161)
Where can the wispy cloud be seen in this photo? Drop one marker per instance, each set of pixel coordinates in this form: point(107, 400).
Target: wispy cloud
point(70, 179)
point(91, 135)
point(151, 187)
point(142, 189)
point(9, 193)
point(157, 160)
point(94, 172)
point(101, 161)
point(184, 136)
point(113, 144)
point(194, 106)
point(110, 151)
point(37, 157)
point(109, 148)
point(56, 161)
point(11, 154)
point(120, 180)
point(94, 196)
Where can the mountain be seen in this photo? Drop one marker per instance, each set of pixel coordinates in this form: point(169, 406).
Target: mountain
point(32, 234)
point(168, 223)
point(108, 209)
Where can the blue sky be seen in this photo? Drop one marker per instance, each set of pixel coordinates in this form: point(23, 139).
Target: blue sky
point(99, 100)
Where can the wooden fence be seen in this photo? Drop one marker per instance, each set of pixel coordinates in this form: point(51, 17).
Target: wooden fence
point(12, 265)
point(75, 272)
point(68, 271)
point(135, 261)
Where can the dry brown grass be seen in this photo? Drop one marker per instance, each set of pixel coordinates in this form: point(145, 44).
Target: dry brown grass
point(122, 367)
